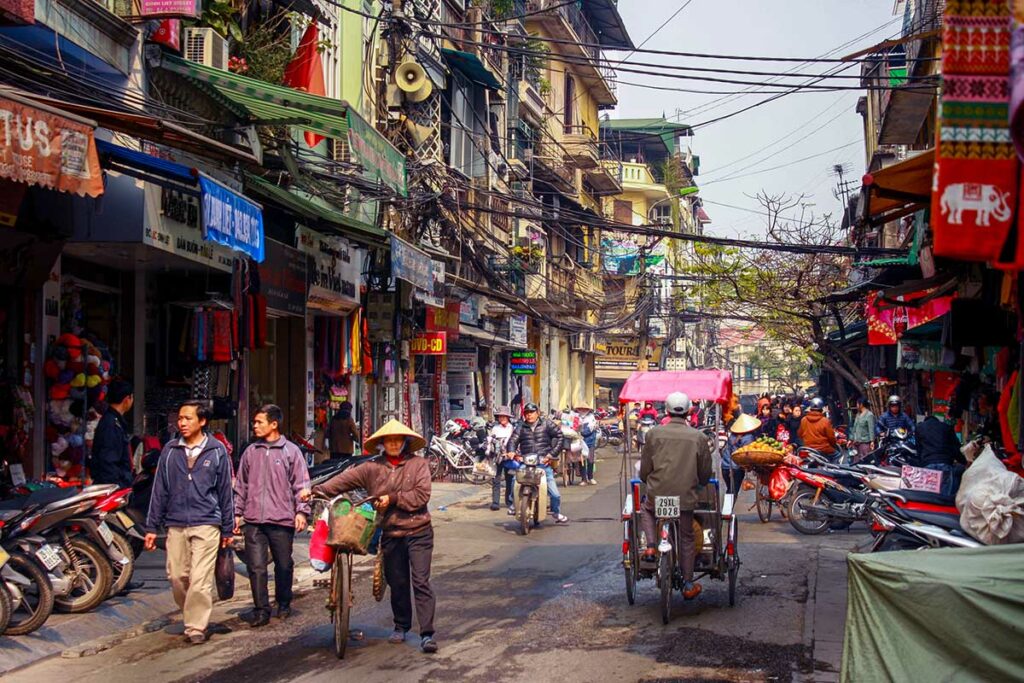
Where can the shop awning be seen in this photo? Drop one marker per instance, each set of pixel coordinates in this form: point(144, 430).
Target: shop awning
point(149, 128)
point(264, 103)
point(483, 336)
point(470, 66)
point(323, 216)
point(898, 190)
point(144, 166)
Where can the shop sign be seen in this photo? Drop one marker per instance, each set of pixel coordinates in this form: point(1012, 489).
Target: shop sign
point(167, 33)
point(517, 330)
point(887, 322)
point(44, 149)
point(435, 297)
point(336, 268)
point(462, 361)
point(444, 319)
point(283, 278)
point(429, 344)
point(169, 8)
point(19, 11)
point(523, 362)
point(461, 394)
point(625, 355)
point(381, 161)
point(469, 312)
point(380, 316)
point(172, 225)
point(231, 219)
point(410, 264)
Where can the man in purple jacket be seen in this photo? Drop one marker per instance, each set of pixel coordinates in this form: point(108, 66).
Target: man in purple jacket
point(271, 483)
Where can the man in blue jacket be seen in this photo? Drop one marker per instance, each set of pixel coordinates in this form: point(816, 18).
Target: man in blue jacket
point(894, 418)
point(269, 491)
point(192, 498)
point(110, 461)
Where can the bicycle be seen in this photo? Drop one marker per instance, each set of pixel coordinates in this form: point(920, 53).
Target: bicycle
point(340, 598)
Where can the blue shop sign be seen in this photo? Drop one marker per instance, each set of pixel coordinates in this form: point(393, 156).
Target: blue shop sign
point(231, 219)
point(412, 265)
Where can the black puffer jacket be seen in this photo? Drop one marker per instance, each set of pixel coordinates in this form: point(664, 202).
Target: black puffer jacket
point(543, 437)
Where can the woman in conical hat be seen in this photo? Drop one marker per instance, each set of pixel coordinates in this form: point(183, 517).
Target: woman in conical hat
point(401, 485)
point(742, 432)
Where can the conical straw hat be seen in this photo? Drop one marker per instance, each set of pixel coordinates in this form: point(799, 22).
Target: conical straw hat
point(395, 428)
point(744, 424)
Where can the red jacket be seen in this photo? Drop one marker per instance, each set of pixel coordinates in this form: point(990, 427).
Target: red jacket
point(816, 431)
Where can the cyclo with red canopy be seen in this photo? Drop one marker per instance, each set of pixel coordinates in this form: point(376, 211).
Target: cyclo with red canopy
point(718, 555)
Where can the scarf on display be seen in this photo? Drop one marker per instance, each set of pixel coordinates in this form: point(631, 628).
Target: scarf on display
point(210, 335)
point(250, 324)
point(340, 343)
point(976, 183)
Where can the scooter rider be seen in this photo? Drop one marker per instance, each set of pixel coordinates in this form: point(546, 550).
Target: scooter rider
point(894, 418)
point(543, 437)
point(676, 461)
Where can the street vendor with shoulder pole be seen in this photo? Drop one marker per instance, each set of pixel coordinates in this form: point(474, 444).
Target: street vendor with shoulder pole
point(676, 461)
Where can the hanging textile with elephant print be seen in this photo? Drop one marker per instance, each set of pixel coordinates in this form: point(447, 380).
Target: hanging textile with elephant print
point(976, 168)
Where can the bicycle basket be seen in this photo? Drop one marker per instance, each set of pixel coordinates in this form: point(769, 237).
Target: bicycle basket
point(350, 528)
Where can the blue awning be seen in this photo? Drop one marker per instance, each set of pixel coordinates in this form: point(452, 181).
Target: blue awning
point(471, 67)
point(144, 166)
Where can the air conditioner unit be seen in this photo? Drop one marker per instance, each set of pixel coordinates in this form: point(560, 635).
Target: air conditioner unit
point(207, 47)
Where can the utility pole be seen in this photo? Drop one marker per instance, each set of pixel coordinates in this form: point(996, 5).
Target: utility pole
point(842, 189)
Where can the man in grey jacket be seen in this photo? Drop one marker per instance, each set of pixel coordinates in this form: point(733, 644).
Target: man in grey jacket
point(270, 489)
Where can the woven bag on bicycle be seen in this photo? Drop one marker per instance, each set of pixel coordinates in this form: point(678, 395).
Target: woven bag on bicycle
point(350, 527)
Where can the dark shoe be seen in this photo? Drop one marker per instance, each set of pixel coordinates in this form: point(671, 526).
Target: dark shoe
point(284, 611)
point(197, 639)
point(428, 645)
point(495, 507)
point(691, 590)
point(397, 636)
point(259, 619)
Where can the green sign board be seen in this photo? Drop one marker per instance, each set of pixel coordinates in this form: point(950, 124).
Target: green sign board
point(524, 362)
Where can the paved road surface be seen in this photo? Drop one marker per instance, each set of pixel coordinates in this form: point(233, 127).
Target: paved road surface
point(549, 607)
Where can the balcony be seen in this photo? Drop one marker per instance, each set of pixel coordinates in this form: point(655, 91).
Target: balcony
point(549, 165)
point(550, 291)
point(531, 101)
point(606, 178)
point(581, 150)
point(639, 177)
point(567, 22)
point(587, 289)
point(904, 104)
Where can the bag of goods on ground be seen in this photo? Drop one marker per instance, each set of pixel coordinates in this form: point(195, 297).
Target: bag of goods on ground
point(991, 501)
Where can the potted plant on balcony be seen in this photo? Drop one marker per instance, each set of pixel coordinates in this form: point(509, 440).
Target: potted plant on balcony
point(528, 257)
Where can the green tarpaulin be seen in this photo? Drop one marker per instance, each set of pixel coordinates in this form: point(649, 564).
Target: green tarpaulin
point(953, 614)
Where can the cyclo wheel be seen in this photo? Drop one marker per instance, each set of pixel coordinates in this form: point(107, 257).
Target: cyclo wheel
point(342, 589)
point(763, 502)
point(630, 566)
point(734, 562)
point(665, 570)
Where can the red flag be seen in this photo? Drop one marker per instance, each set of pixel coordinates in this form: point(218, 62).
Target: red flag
point(306, 72)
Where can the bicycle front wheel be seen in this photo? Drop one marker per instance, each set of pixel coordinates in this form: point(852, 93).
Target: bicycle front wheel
point(342, 589)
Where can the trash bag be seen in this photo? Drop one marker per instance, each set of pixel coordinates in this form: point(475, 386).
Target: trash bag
point(225, 573)
point(991, 501)
point(321, 555)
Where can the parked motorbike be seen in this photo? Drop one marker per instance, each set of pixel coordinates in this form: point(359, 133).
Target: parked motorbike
point(446, 454)
point(906, 520)
point(24, 581)
point(531, 504)
point(609, 434)
point(123, 532)
point(645, 424)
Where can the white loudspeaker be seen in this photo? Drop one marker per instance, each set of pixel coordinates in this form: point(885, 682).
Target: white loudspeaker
point(412, 80)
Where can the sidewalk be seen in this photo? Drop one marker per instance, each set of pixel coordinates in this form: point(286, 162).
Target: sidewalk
point(825, 620)
point(76, 635)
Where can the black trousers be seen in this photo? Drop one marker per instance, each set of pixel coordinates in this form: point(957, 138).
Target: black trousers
point(263, 542)
point(501, 472)
point(407, 572)
point(732, 478)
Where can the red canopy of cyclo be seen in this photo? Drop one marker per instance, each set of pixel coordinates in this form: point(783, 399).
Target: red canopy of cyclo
point(699, 385)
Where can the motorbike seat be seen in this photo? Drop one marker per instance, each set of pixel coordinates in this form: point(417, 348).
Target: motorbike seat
point(40, 497)
point(927, 497)
point(940, 519)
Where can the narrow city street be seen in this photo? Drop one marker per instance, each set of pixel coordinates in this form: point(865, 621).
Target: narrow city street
point(547, 607)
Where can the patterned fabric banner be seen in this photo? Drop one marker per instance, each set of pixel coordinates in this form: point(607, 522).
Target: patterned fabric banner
point(976, 176)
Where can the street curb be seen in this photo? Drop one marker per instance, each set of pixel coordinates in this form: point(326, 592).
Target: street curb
point(809, 606)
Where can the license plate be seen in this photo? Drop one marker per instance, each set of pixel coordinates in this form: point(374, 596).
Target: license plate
point(105, 533)
point(126, 521)
point(49, 556)
point(3, 557)
point(666, 506)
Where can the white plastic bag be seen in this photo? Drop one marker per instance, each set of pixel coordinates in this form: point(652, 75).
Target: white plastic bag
point(991, 501)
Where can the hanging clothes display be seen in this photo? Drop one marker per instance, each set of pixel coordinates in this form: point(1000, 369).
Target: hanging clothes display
point(249, 327)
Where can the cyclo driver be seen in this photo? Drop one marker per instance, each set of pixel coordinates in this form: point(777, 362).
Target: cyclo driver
point(676, 461)
point(543, 437)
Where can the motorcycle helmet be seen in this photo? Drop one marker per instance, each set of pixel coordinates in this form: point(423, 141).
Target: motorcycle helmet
point(531, 407)
point(895, 400)
point(678, 403)
point(452, 428)
point(816, 404)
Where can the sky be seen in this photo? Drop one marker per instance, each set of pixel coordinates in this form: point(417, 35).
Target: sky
point(733, 165)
